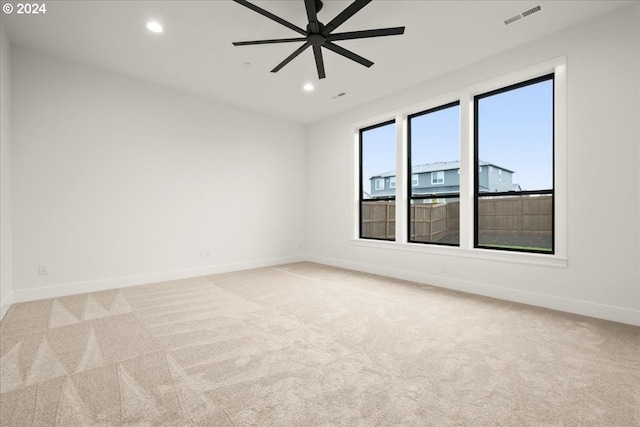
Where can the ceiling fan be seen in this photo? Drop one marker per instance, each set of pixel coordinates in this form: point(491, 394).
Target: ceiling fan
point(318, 35)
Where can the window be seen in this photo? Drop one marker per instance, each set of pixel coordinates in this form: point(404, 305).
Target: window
point(377, 160)
point(514, 196)
point(483, 178)
point(434, 149)
point(437, 177)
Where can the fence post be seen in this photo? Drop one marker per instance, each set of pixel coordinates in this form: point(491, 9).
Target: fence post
point(386, 221)
point(521, 212)
point(431, 221)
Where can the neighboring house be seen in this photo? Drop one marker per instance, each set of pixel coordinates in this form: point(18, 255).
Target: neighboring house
point(443, 177)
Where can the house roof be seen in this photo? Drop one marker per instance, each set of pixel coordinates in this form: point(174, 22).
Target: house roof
point(435, 167)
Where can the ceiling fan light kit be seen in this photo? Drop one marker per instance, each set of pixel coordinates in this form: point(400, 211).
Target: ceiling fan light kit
point(317, 35)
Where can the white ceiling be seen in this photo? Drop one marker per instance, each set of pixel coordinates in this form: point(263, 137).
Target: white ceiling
point(195, 53)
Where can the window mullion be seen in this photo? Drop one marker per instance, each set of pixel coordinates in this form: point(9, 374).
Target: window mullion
point(401, 178)
point(466, 171)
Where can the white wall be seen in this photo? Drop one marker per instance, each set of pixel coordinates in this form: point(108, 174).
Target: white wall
point(602, 277)
point(5, 178)
point(120, 182)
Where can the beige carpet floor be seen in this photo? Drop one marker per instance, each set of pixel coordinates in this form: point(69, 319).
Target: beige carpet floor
point(306, 345)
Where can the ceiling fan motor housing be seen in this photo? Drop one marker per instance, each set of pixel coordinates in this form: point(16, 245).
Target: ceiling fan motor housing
point(316, 39)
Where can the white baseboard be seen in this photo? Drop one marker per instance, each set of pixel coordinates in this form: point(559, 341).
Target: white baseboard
point(4, 305)
point(142, 279)
point(600, 311)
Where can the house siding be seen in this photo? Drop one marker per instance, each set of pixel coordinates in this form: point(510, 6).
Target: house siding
point(489, 179)
point(493, 177)
point(451, 183)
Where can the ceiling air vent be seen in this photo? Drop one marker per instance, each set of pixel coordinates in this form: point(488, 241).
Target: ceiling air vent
point(524, 14)
point(531, 11)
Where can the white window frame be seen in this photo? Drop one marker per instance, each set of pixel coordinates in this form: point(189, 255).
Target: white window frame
point(437, 175)
point(392, 182)
point(378, 181)
point(415, 180)
point(465, 96)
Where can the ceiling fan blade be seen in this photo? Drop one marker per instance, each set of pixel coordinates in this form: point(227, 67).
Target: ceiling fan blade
point(380, 32)
point(317, 52)
point(271, 16)
point(347, 54)
point(351, 10)
point(297, 39)
point(312, 15)
point(291, 57)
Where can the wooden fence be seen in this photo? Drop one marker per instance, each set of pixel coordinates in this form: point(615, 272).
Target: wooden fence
point(523, 215)
point(379, 219)
point(510, 215)
point(431, 222)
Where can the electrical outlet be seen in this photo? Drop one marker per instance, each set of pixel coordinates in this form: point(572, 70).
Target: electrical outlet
point(43, 270)
point(206, 253)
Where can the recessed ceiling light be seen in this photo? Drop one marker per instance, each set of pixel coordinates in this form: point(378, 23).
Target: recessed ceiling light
point(154, 27)
point(308, 87)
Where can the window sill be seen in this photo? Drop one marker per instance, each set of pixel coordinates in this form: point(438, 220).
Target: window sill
point(480, 254)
